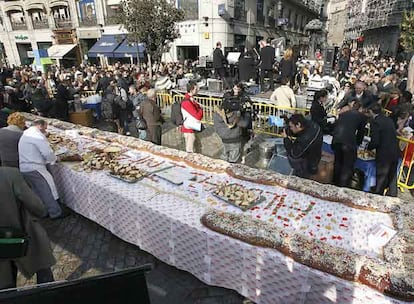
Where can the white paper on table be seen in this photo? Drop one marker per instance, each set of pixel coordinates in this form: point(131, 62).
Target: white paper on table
point(61, 150)
point(175, 175)
point(72, 133)
point(379, 236)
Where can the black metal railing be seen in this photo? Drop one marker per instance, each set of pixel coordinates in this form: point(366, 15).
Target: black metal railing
point(18, 26)
point(40, 24)
point(63, 23)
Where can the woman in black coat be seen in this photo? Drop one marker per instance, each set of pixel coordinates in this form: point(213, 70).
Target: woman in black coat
point(287, 67)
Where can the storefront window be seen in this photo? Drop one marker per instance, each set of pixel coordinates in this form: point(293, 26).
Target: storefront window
point(112, 9)
point(190, 8)
point(240, 10)
point(260, 15)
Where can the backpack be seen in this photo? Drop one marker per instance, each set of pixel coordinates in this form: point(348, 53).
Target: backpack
point(176, 115)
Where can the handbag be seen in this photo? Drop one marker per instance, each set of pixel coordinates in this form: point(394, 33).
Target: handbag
point(192, 123)
point(141, 123)
point(14, 242)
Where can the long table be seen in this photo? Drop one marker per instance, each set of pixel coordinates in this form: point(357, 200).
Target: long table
point(164, 220)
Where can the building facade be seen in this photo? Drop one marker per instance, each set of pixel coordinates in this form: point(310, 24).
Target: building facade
point(240, 23)
point(337, 16)
point(73, 27)
point(375, 24)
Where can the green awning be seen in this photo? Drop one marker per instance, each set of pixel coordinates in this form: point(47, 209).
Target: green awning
point(46, 60)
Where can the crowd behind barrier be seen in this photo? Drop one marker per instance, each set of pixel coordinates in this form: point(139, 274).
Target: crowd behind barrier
point(262, 125)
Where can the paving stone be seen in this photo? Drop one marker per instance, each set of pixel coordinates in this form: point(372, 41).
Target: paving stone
point(83, 248)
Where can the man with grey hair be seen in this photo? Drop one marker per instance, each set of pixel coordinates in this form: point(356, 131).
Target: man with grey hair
point(34, 154)
point(151, 113)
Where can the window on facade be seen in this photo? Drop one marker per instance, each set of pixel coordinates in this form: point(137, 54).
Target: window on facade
point(190, 8)
point(260, 16)
point(61, 13)
point(240, 10)
point(17, 17)
point(112, 8)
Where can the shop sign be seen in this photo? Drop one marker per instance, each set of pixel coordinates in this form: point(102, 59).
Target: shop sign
point(21, 37)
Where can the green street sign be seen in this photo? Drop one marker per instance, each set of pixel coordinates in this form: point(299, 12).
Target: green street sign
point(21, 37)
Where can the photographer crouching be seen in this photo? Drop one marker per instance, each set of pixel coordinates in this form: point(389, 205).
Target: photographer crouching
point(233, 123)
point(305, 150)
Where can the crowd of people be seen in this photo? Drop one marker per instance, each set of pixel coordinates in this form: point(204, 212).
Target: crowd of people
point(364, 96)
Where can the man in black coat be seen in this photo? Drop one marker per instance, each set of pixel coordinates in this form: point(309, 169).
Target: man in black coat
point(103, 83)
point(361, 94)
point(218, 62)
point(318, 112)
point(61, 110)
point(20, 208)
point(384, 140)
point(347, 136)
point(247, 66)
point(267, 60)
point(305, 152)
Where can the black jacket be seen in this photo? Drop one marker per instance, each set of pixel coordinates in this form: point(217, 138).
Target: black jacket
point(319, 116)
point(349, 129)
point(384, 139)
point(103, 83)
point(366, 99)
point(267, 58)
point(287, 68)
point(218, 59)
point(305, 152)
point(247, 68)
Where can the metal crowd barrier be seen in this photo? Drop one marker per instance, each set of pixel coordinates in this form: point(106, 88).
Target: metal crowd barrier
point(261, 125)
point(264, 111)
point(405, 180)
point(207, 103)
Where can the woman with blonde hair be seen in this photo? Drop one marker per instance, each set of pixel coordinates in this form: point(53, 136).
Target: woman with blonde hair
point(9, 138)
point(287, 66)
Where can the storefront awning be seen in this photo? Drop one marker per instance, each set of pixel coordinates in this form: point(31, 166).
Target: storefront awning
point(127, 50)
point(58, 51)
point(106, 46)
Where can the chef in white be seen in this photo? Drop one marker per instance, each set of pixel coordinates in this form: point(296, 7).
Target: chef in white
point(34, 154)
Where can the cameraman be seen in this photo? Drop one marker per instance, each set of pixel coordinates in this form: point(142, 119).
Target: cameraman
point(304, 152)
point(232, 121)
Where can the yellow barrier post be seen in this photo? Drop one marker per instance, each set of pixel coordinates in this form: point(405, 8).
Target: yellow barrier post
point(406, 165)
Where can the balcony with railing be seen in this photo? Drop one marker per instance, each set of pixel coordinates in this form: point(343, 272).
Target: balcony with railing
point(91, 21)
point(63, 23)
point(40, 24)
point(18, 26)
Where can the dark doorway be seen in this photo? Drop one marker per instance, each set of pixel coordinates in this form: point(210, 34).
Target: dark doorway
point(187, 53)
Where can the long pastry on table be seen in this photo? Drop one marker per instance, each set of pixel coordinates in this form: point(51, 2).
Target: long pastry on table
point(378, 274)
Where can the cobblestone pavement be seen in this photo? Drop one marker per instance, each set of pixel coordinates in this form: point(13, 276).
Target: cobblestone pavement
point(83, 248)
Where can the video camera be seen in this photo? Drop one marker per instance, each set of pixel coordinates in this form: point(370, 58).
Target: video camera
point(237, 103)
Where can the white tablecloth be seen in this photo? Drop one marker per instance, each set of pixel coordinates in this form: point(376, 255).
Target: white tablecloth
point(164, 220)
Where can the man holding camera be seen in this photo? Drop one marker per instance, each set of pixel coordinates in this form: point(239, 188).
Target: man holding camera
point(232, 121)
point(304, 152)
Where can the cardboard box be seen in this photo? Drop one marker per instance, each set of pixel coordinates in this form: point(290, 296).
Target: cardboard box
point(83, 118)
